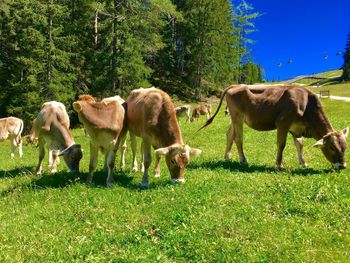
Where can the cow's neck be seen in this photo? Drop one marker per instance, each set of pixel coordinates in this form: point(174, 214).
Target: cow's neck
point(64, 138)
point(320, 125)
point(171, 135)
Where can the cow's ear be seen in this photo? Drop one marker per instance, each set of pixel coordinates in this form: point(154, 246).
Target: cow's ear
point(345, 132)
point(319, 143)
point(195, 152)
point(162, 151)
point(77, 106)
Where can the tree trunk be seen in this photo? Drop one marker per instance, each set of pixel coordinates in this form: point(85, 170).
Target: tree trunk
point(114, 48)
point(49, 43)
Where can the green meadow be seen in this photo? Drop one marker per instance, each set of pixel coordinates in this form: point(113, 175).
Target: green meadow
point(224, 211)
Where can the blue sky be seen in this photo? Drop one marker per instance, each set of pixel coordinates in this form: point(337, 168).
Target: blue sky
point(300, 30)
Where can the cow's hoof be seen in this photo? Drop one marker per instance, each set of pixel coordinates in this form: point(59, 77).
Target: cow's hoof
point(109, 184)
point(157, 174)
point(228, 156)
point(280, 167)
point(144, 185)
point(178, 181)
point(134, 170)
point(244, 163)
point(304, 165)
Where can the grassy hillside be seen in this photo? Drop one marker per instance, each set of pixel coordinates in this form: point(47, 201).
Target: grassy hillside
point(224, 212)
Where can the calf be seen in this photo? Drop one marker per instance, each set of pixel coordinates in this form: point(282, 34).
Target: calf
point(11, 128)
point(51, 127)
point(201, 110)
point(151, 115)
point(104, 123)
point(183, 110)
point(286, 108)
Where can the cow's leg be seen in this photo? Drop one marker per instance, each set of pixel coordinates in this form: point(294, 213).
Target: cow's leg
point(147, 162)
point(298, 142)
point(157, 166)
point(235, 133)
point(50, 156)
point(229, 142)
point(142, 158)
point(110, 163)
point(54, 163)
point(281, 144)
point(41, 157)
point(13, 146)
point(133, 144)
point(123, 152)
point(19, 143)
point(238, 138)
point(93, 162)
point(188, 116)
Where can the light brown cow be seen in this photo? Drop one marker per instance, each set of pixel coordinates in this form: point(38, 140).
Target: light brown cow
point(104, 123)
point(11, 128)
point(201, 110)
point(52, 128)
point(288, 109)
point(184, 110)
point(151, 116)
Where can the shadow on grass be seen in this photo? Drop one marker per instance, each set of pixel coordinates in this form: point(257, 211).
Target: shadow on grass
point(17, 172)
point(235, 166)
point(64, 179)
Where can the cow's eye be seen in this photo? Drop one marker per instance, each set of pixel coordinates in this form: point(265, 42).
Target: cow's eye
point(173, 161)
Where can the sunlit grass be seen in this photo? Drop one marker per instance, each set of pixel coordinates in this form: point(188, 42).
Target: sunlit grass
point(224, 212)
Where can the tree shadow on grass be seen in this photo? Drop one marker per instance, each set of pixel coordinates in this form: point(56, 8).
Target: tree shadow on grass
point(234, 166)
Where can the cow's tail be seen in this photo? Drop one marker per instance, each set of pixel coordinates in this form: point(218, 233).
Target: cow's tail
point(210, 120)
point(19, 137)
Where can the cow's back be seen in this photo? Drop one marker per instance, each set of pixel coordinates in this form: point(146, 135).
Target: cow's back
point(150, 113)
point(262, 106)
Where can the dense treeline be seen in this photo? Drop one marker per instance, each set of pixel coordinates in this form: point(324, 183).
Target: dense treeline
point(57, 49)
point(346, 56)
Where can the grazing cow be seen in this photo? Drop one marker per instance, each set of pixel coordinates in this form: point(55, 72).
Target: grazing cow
point(151, 115)
point(288, 109)
point(11, 128)
point(201, 110)
point(104, 122)
point(51, 127)
point(183, 110)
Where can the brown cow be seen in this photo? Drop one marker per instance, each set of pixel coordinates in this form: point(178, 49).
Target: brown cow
point(201, 110)
point(104, 123)
point(11, 128)
point(183, 110)
point(52, 128)
point(151, 116)
point(288, 109)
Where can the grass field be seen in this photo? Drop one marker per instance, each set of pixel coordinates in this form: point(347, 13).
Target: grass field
point(224, 212)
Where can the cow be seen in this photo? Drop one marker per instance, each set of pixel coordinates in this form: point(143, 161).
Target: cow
point(183, 110)
point(51, 127)
point(11, 128)
point(201, 110)
point(151, 115)
point(287, 108)
point(104, 122)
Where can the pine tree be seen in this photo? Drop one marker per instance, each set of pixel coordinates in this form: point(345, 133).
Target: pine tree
point(346, 56)
point(243, 20)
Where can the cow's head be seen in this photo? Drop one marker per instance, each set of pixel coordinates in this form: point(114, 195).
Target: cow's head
point(177, 157)
point(333, 146)
point(72, 156)
point(195, 115)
